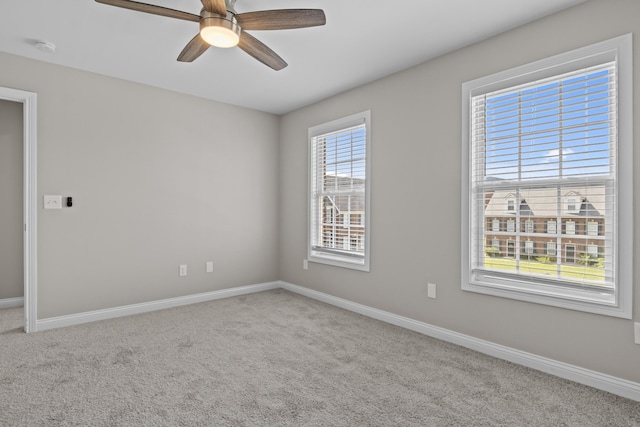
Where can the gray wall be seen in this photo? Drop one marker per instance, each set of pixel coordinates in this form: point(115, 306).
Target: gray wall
point(158, 179)
point(11, 167)
point(416, 184)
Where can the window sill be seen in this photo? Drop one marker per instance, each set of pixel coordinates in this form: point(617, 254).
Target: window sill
point(361, 264)
point(603, 303)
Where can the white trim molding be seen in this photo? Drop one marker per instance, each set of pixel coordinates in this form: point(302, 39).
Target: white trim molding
point(11, 302)
point(29, 124)
point(145, 307)
point(619, 386)
point(598, 380)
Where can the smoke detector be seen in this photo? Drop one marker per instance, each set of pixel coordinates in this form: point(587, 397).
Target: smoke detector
point(45, 46)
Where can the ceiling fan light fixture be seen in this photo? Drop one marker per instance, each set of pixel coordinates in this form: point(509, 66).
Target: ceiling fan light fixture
point(220, 31)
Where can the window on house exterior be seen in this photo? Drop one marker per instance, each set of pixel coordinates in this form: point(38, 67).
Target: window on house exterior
point(329, 214)
point(553, 133)
point(592, 250)
point(572, 203)
point(551, 227)
point(495, 225)
point(528, 226)
point(551, 248)
point(511, 204)
point(592, 228)
point(339, 178)
point(354, 243)
point(528, 247)
point(570, 227)
point(511, 226)
point(495, 243)
point(346, 220)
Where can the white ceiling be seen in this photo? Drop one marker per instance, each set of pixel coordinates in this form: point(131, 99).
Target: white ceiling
point(362, 41)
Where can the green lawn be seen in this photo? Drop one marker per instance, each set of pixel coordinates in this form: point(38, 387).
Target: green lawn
point(535, 267)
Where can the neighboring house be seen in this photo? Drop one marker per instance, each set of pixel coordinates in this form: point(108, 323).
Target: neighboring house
point(343, 214)
point(533, 223)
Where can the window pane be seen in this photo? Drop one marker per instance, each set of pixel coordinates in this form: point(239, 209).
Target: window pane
point(541, 142)
point(338, 181)
point(541, 134)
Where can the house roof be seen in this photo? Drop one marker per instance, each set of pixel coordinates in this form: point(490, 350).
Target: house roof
point(541, 202)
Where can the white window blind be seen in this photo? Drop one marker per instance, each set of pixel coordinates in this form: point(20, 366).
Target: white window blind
point(550, 140)
point(545, 142)
point(339, 184)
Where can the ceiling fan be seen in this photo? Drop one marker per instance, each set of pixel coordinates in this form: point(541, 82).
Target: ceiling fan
point(222, 26)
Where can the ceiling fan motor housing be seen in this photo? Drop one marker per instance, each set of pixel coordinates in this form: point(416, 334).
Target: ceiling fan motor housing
point(217, 30)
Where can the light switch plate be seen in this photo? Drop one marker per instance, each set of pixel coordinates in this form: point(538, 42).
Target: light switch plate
point(52, 202)
point(431, 290)
point(636, 330)
point(209, 266)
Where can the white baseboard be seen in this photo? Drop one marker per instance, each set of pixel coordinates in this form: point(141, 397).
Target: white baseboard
point(11, 302)
point(619, 386)
point(128, 310)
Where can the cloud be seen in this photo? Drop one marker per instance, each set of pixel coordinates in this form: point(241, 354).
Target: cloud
point(554, 155)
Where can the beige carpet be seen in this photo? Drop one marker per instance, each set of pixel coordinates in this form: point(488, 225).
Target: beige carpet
point(274, 359)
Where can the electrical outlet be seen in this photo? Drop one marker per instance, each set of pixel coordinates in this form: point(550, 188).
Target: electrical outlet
point(183, 270)
point(636, 330)
point(305, 264)
point(209, 266)
point(431, 290)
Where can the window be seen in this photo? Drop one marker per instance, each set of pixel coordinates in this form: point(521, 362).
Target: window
point(553, 133)
point(572, 203)
point(511, 226)
point(570, 227)
point(339, 153)
point(495, 225)
point(528, 247)
point(592, 228)
point(528, 226)
point(592, 250)
point(495, 243)
point(346, 220)
point(551, 227)
point(570, 253)
point(511, 203)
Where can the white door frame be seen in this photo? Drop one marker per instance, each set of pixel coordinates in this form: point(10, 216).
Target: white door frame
point(28, 101)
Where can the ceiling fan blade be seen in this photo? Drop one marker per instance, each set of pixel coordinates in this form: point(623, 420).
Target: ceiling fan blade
point(150, 8)
point(283, 19)
point(215, 6)
point(260, 51)
point(193, 49)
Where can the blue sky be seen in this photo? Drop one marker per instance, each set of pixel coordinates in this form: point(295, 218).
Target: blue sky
point(561, 128)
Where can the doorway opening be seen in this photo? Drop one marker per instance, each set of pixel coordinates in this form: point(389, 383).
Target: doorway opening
point(28, 101)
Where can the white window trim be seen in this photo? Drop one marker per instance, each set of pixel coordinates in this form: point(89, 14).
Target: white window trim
point(621, 306)
point(528, 247)
point(555, 226)
point(570, 227)
point(572, 203)
point(529, 226)
point(356, 263)
point(493, 243)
